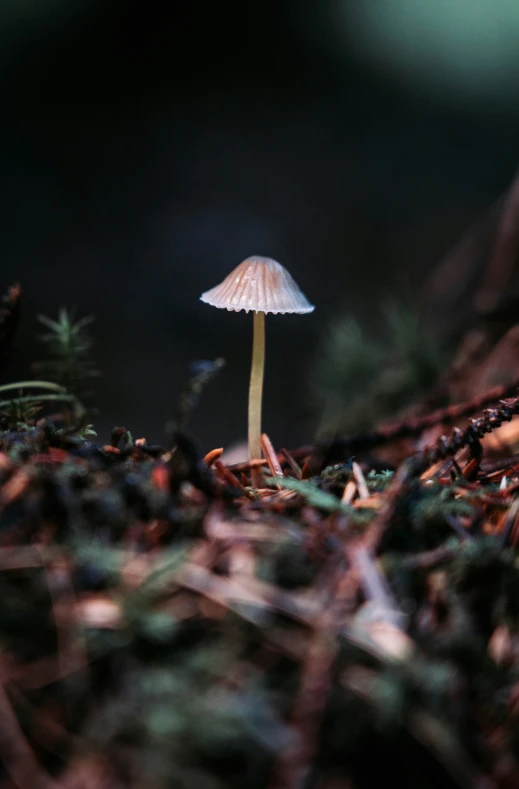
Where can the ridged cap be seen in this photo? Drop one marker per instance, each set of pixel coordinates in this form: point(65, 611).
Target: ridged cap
point(261, 285)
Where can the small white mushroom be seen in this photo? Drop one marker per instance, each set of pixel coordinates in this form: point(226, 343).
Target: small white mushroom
point(261, 285)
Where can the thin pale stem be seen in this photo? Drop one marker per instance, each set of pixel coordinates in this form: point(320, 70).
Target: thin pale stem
point(255, 395)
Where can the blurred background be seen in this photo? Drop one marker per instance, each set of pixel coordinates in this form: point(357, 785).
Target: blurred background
point(148, 147)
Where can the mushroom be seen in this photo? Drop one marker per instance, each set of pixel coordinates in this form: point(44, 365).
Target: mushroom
point(262, 285)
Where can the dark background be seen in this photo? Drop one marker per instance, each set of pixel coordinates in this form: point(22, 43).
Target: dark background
point(147, 148)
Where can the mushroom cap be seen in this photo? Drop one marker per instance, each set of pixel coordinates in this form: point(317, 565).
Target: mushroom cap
point(261, 285)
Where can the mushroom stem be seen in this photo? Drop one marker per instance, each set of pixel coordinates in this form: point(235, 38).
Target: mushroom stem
point(255, 394)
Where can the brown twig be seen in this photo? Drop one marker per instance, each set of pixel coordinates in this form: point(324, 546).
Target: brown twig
point(309, 706)
point(15, 753)
point(228, 477)
point(294, 465)
point(214, 454)
point(397, 491)
point(409, 428)
point(246, 465)
point(71, 655)
point(271, 457)
point(416, 464)
point(362, 486)
point(314, 688)
point(429, 559)
point(230, 593)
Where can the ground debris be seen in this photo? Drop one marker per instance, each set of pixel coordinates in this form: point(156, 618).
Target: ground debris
point(166, 624)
